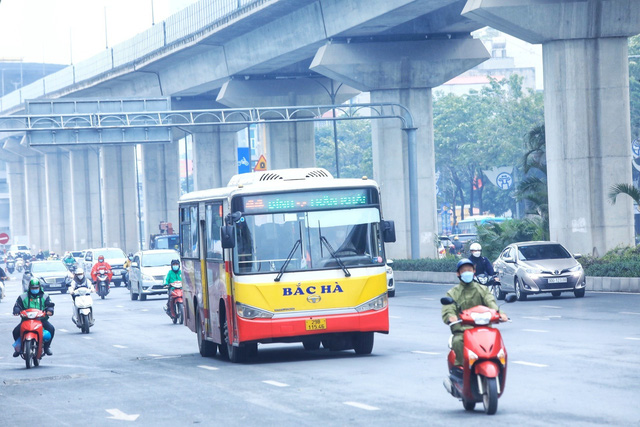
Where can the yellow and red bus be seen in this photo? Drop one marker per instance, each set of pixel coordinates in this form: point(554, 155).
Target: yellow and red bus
point(290, 255)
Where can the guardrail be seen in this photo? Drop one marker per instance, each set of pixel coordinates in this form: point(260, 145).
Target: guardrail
point(202, 16)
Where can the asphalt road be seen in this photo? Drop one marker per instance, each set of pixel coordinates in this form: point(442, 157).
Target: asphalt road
point(571, 362)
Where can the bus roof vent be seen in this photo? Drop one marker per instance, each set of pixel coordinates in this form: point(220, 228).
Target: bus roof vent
point(279, 174)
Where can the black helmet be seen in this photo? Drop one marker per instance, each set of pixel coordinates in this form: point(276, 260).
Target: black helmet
point(465, 261)
point(175, 262)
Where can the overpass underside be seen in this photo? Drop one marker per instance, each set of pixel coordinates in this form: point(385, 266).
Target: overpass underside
point(318, 52)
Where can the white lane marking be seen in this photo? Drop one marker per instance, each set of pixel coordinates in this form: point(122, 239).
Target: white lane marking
point(275, 383)
point(536, 365)
point(554, 317)
point(145, 309)
point(117, 414)
point(535, 318)
point(362, 406)
point(120, 306)
point(534, 330)
point(432, 353)
point(550, 306)
point(154, 355)
point(209, 368)
point(427, 299)
point(119, 346)
point(632, 338)
point(62, 330)
point(629, 312)
point(394, 317)
point(87, 338)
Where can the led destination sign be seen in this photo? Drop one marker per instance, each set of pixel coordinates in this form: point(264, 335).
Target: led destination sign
point(307, 201)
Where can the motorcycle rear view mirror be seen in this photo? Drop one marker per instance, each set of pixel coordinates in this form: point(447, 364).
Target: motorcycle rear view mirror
point(227, 239)
point(446, 300)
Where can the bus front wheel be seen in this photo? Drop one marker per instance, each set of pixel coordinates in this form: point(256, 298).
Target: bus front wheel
point(234, 354)
point(363, 343)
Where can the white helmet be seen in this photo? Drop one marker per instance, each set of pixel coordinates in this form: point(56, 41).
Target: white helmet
point(79, 275)
point(475, 247)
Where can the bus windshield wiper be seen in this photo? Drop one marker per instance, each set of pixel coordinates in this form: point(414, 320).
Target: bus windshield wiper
point(284, 266)
point(336, 257)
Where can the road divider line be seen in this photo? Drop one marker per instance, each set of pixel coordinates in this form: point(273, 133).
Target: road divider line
point(632, 338)
point(394, 317)
point(207, 367)
point(87, 338)
point(431, 353)
point(630, 312)
point(550, 306)
point(362, 406)
point(535, 330)
point(154, 355)
point(535, 365)
point(145, 309)
point(275, 383)
point(62, 330)
point(427, 299)
point(120, 306)
point(535, 318)
point(120, 346)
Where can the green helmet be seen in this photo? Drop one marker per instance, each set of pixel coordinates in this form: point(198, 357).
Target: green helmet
point(34, 283)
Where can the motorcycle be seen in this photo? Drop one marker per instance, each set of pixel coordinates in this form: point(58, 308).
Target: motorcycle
point(484, 367)
point(11, 266)
point(493, 283)
point(102, 286)
point(30, 343)
point(19, 265)
point(83, 309)
point(1, 290)
point(175, 304)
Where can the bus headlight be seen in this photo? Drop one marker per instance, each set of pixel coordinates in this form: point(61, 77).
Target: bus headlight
point(378, 303)
point(248, 312)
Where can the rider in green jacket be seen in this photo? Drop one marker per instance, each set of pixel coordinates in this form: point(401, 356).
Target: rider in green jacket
point(174, 275)
point(35, 297)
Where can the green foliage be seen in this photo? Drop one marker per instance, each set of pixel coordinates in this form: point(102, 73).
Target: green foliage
point(480, 131)
point(627, 189)
point(619, 262)
point(634, 85)
point(447, 264)
point(355, 157)
point(494, 237)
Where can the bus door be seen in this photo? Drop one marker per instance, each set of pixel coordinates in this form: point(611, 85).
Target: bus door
point(214, 267)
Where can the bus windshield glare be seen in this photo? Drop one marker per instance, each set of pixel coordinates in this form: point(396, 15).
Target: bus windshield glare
point(265, 241)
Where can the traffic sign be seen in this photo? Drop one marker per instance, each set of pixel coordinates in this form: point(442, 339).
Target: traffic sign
point(261, 165)
point(4, 238)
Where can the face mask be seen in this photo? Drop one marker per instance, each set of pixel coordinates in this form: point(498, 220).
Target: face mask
point(175, 267)
point(476, 254)
point(467, 276)
point(34, 291)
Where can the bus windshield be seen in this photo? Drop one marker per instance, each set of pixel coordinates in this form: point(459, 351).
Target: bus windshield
point(265, 241)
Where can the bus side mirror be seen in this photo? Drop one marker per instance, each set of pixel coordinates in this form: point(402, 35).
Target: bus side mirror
point(388, 231)
point(226, 237)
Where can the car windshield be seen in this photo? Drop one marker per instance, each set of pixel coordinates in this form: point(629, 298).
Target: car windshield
point(23, 248)
point(48, 267)
point(110, 254)
point(264, 242)
point(76, 254)
point(161, 259)
point(167, 242)
point(538, 252)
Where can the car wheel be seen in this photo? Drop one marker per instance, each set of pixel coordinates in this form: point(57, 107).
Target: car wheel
point(556, 294)
point(363, 343)
point(579, 293)
point(519, 290)
point(143, 297)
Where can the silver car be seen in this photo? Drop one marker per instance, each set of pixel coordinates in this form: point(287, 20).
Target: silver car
point(148, 270)
point(528, 268)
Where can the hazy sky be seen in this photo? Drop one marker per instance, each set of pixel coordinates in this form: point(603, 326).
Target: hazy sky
point(48, 30)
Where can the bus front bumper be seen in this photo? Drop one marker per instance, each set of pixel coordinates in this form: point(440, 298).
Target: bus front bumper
point(274, 330)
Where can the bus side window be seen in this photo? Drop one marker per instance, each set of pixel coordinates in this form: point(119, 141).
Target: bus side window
point(214, 222)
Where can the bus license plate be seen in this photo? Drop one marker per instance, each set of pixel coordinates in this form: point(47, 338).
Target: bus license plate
point(316, 324)
point(558, 280)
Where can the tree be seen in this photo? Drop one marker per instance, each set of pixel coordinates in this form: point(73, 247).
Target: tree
point(634, 85)
point(354, 148)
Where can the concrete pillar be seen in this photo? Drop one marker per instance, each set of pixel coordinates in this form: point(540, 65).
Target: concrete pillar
point(119, 201)
point(35, 187)
point(403, 73)
point(18, 198)
point(85, 198)
point(289, 145)
point(215, 156)
point(161, 186)
point(587, 119)
point(59, 213)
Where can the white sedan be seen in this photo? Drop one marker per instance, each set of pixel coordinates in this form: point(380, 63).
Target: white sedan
point(391, 284)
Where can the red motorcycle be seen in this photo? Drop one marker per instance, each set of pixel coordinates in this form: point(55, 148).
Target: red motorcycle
point(484, 368)
point(32, 336)
point(175, 304)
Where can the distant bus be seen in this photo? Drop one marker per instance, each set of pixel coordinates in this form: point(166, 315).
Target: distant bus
point(288, 255)
point(469, 224)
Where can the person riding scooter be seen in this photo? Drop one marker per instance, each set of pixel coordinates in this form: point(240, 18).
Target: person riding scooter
point(80, 280)
point(466, 294)
point(174, 275)
point(36, 298)
point(101, 264)
point(482, 264)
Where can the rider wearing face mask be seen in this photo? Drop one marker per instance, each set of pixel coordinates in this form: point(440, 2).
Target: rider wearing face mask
point(466, 294)
point(174, 275)
point(35, 297)
point(482, 264)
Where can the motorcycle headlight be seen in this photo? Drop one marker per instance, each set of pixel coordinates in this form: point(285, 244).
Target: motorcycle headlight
point(377, 303)
point(248, 312)
point(502, 357)
point(472, 357)
point(481, 318)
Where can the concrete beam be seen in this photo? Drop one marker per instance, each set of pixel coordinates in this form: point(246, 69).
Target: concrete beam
point(541, 21)
point(398, 65)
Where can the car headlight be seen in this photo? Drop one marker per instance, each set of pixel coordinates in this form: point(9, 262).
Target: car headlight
point(377, 303)
point(147, 277)
point(248, 312)
point(389, 270)
point(532, 271)
point(576, 270)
